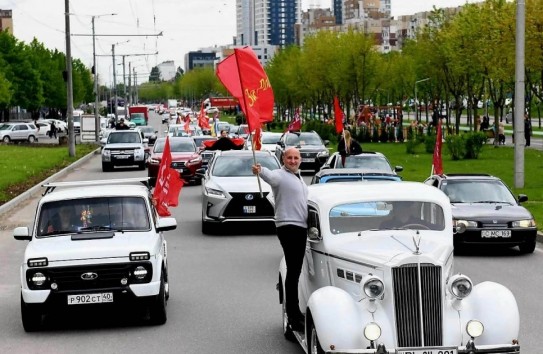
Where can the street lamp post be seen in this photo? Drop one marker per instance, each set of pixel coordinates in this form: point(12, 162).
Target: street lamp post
point(416, 102)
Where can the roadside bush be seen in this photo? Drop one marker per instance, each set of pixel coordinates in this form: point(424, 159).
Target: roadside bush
point(474, 144)
point(430, 143)
point(456, 146)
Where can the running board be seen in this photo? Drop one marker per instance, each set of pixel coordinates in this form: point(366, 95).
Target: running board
point(300, 337)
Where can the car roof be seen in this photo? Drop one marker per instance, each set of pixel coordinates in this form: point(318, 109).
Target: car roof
point(470, 176)
point(96, 191)
point(180, 138)
point(242, 152)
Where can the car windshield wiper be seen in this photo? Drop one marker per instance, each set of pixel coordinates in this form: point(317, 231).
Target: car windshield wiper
point(99, 228)
point(58, 232)
point(491, 202)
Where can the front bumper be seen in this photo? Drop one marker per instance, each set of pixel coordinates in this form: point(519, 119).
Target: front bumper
point(483, 349)
point(474, 237)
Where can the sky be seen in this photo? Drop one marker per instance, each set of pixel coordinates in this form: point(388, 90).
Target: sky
point(184, 25)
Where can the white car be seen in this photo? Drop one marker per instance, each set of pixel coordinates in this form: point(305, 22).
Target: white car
point(378, 277)
point(123, 148)
point(230, 192)
point(269, 141)
point(18, 131)
point(94, 243)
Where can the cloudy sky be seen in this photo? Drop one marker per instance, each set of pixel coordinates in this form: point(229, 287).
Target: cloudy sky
point(185, 25)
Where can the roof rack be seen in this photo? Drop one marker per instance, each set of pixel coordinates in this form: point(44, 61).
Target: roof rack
point(49, 187)
point(467, 174)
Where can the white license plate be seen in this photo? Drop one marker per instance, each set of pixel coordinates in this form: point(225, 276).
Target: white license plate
point(427, 351)
point(249, 209)
point(90, 298)
point(122, 157)
point(308, 160)
point(496, 233)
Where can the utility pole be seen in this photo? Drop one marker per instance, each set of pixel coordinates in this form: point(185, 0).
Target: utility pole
point(519, 95)
point(114, 83)
point(69, 83)
point(130, 83)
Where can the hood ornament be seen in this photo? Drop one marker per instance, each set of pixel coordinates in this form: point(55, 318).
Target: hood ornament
point(416, 242)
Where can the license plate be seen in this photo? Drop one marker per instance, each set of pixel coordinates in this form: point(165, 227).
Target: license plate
point(122, 157)
point(249, 209)
point(308, 160)
point(496, 233)
point(90, 298)
point(427, 351)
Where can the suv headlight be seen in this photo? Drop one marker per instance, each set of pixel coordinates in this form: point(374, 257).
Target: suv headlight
point(106, 153)
point(323, 153)
point(524, 223)
point(214, 192)
point(372, 286)
point(460, 286)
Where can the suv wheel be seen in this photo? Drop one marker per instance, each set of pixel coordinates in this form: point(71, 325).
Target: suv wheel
point(157, 310)
point(106, 167)
point(6, 139)
point(31, 317)
point(31, 139)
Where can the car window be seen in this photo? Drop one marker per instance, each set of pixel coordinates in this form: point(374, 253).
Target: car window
point(369, 162)
point(383, 215)
point(129, 137)
point(303, 139)
point(6, 127)
point(93, 214)
point(238, 166)
point(270, 138)
point(477, 191)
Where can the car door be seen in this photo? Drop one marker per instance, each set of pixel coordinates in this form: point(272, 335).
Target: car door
point(20, 132)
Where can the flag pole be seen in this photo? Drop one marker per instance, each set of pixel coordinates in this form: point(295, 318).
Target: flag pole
point(254, 162)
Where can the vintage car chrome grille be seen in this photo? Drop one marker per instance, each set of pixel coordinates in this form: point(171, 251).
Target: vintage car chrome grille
point(235, 209)
point(418, 326)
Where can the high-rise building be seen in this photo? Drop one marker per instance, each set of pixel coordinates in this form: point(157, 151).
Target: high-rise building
point(6, 21)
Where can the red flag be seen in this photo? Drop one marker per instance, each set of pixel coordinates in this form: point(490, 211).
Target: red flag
point(256, 139)
point(243, 76)
point(168, 183)
point(296, 124)
point(437, 161)
point(338, 113)
point(187, 124)
point(203, 121)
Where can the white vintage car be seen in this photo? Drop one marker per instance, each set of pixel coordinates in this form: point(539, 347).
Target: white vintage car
point(94, 243)
point(378, 277)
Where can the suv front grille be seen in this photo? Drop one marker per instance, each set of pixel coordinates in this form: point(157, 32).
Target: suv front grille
point(418, 326)
point(263, 208)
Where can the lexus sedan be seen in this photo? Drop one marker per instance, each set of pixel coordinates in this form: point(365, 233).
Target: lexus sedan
point(185, 158)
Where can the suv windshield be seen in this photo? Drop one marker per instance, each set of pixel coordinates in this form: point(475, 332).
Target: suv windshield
point(240, 166)
point(477, 191)
point(93, 214)
point(128, 137)
point(380, 215)
point(303, 139)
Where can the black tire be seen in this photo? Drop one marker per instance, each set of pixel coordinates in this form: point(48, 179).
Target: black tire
point(314, 346)
point(31, 139)
point(6, 139)
point(31, 317)
point(287, 331)
point(527, 247)
point(106, 167)
point(152, 181)
point(157, 310)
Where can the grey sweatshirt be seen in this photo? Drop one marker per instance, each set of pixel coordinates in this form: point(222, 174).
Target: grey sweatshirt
point(290, 193)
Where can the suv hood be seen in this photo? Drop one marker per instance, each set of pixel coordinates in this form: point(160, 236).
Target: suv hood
point(62, 248)
point(110, 146)
point(489, 211)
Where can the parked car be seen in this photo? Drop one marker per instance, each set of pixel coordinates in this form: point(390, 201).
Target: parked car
point(94, 243)
point(185, 159)
point(485, 212)
point(230, 191)
point(123, 148)
point(44, 128)
point(374, 161)
point(378, 277)
point(331, 175)
point(18, 131)
point(312, 148)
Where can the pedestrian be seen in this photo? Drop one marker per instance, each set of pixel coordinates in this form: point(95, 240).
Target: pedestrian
point(290, 194)
point(348, 146)
point(501, 132)
point(527, 129)
point(53, 129)
point(121, 125)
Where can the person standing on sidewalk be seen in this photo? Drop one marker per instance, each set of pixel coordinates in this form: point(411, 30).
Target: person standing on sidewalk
point(527, 129)
point(290, 193)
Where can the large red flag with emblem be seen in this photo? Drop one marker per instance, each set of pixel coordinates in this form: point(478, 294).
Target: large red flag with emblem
point(338, 114)
point(296, 124)
point(243, 76)
point(437, 161)
point(168, 183)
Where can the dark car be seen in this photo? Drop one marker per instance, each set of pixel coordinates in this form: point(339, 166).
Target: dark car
point(312, 148)
point(148, 132)
point(486, 212)
point(185, 158)
point(332, 175)
point(368, 161)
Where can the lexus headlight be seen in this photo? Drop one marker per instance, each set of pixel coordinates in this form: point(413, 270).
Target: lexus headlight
point(154, 161)
point(373, 286)
point(475, 328)
point(460, 286)
point(215, 192)
point(195, 161)
point(524, 223)
point(372, 331)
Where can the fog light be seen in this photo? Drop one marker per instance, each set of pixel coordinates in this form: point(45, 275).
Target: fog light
point(140, 272)
point(372, 331)
point(54, 286)
point(38, 279)
point(475, 328)
point(124, 281)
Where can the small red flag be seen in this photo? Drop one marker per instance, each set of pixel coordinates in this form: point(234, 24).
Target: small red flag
point(168, 183)
point(296, 124)
point(187, 124)
point(256, 139)
point(437, 161)
point(338, 114)
point(203, 121)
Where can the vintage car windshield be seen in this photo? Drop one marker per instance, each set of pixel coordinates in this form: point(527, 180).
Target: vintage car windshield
point(477, 191)
point(240, 166)
point(371, 162)
point(380, 215)
point(303, 139)
point(93, 214)
point(128, 137)
point(175, 146)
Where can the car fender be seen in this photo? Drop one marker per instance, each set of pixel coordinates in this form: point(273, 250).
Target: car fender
point(495, 306)
point(340, 320)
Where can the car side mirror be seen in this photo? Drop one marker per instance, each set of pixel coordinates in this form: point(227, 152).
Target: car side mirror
point(201, 172)
point(22, 233)
point(103, 141)
point(398, 169)
point(145, 141)
point(313, 234)
point(166, 224)
point(522, 198)
point(326, 142)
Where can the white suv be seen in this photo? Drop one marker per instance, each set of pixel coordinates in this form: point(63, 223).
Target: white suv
point(95, 243)
point(123, 148)
point(18, 131)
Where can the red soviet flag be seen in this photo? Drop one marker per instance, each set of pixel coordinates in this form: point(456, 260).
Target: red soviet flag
point(168, 183)
point(296, 124)
point(243, 76)
point(437, 161)
point(203, 121)
point(338, 114)
point(256, 139)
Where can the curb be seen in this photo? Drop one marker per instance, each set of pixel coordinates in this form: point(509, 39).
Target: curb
point(539, 237)
point(30, 193)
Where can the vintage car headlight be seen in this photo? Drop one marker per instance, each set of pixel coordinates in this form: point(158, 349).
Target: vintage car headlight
point(372, 286)
point(460, 286)
point(215, 192)
point(372, 331)
point(524, 223)
point(475, 328)
point(38, 279)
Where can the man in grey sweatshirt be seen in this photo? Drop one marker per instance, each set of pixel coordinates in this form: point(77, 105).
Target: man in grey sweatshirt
point(290, 193)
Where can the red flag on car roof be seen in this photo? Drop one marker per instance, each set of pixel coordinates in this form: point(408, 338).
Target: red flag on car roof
point(243, 76)
point(187, 123)
point(168, 183)
point(437, 161)
point(203, 122)
point(296, 124)
point(338, 114)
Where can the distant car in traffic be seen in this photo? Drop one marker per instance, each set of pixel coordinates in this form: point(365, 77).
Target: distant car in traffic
point(18, 131)
point(185, 159)
point(312, 148)
point(369, 160)
point(332, 175)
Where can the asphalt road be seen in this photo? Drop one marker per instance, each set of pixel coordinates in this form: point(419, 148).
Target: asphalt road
point(223, 297)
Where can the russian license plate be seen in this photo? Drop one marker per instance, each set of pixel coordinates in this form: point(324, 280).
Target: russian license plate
point(496, 233)
point(427, 351)
point(90, 298)
point(308, 160)
point(122, 157)
point(249, 209)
